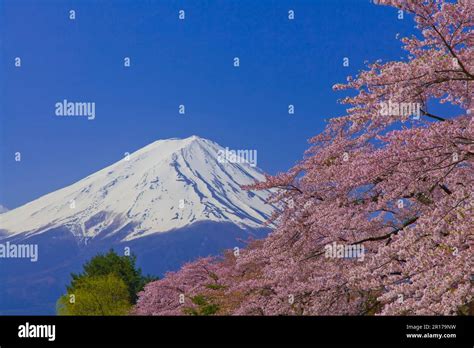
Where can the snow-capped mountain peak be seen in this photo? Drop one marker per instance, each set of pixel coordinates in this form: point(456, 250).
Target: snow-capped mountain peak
point(166, 185)
point(3, 209)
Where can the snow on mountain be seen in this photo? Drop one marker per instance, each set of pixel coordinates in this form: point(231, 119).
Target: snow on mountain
point(3, 209)
point(166, 185)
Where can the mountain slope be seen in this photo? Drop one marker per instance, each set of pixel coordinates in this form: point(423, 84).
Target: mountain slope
point(164, 186)
point(170, 203)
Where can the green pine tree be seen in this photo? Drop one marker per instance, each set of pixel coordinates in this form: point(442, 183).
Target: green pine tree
point(100, 288)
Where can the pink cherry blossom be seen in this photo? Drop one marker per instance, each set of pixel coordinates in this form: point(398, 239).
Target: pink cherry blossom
point(399, 185)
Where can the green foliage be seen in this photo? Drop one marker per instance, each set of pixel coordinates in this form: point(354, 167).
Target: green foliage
point(108, 285)
point(371, 305)
point(102, 295)
point(111, 263)
point(215, 286)
point(203, 306)
point(467, 309)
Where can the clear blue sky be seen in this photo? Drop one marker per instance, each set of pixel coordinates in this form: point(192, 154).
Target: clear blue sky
point(173, 62)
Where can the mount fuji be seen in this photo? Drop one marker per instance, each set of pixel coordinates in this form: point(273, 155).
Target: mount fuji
point(169, 202)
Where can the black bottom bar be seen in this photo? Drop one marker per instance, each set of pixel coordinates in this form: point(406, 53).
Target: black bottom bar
point(353, 331)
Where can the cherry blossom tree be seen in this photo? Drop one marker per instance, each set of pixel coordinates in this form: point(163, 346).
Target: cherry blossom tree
point(198, 288)
point(390, 177)
point(174, 294)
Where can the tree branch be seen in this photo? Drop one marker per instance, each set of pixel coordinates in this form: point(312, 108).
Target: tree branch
point(388, 235)
point(432, 116)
